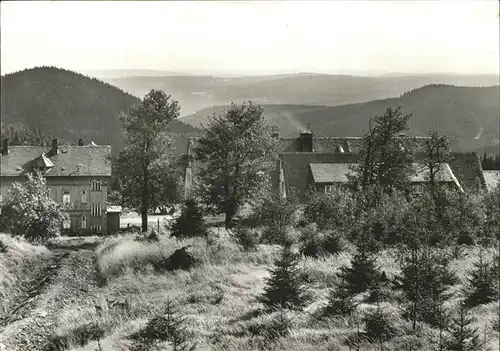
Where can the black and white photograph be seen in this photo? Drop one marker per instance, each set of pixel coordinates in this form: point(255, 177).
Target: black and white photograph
point(250, 175)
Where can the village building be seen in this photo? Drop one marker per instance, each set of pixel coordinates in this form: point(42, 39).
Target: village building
point(77, 176)
point(307, 161)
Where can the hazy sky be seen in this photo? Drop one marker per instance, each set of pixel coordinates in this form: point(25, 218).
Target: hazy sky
point(253, 37)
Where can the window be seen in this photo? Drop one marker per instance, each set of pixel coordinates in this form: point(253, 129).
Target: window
point(96, 209)
point(66, 197)
point(96, 228)
point(67, 224)
point(49, 192)
point(84, 196)
point(83, 222)
point(418, 189)
point(328, 189)
point(96, 185)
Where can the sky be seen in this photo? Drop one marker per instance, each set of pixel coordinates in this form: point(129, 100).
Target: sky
point(254, 37)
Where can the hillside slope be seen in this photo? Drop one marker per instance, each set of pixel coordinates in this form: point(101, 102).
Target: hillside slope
point(469, 115)
point(68, 105)
point(197, 92)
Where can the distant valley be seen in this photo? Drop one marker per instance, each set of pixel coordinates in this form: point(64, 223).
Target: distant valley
point(197, 92)
point(468, 115)
point(70, 105)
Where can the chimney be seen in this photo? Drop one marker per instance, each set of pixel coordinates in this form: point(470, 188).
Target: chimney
point(55, 147)
point(306, 141)
point(80, 142)
point(5, 147)
point(275, 132)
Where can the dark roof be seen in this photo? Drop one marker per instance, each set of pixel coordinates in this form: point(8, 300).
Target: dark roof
point(332, 144)
point(71, 161)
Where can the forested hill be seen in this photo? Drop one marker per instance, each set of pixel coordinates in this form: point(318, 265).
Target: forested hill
point(69, 106)
point(468, 115)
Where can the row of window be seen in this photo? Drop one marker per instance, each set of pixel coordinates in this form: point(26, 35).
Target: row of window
point(96, 228)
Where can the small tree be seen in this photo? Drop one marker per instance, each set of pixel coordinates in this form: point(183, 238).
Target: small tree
point(379, 327)
point(238, 153)
point(278, 216)
point(340, 302)
point(424, 279)
point(285, 286)
point(169, 327)
point(30, 212)
point(190, 223)
point(386, 156)
point(362, 274)
point(462, 337)
point(482, 283)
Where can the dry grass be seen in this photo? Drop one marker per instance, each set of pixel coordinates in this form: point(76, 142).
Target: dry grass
point(218, 296)
point(18, 252)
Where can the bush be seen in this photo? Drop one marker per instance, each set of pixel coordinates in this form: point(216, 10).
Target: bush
point(190, 223)
point(247, 238)
point(30, 212)
point(315, 244)
point(330, 211)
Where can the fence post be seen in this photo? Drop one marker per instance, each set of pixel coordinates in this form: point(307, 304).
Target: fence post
point(158, 226)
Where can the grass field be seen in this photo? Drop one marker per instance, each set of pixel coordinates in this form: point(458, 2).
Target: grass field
point(219, 296)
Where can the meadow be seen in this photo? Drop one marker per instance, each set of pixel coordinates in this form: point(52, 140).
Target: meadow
point(218, 297)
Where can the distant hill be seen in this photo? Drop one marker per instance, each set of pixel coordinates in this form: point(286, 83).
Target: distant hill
point(468, 115)
point(195, 92)
point(69, 105)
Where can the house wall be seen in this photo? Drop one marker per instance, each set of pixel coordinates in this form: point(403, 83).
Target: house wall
point(113, 222)
point(75, 186)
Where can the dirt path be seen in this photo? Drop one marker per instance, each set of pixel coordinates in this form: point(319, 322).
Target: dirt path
point(48, 284)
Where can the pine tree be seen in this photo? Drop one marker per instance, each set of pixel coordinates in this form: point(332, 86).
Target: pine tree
point(379, 328)
point(424, 280)
point(362, 274)
point(190, 223)
point(462, 336)
point(340, 302)
point(482, 283)
point(168, 327)
point(285, 286)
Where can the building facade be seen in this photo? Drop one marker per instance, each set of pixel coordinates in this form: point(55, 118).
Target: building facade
point(77, 176)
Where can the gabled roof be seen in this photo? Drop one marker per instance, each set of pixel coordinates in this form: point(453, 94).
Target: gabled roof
point(72, 161)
